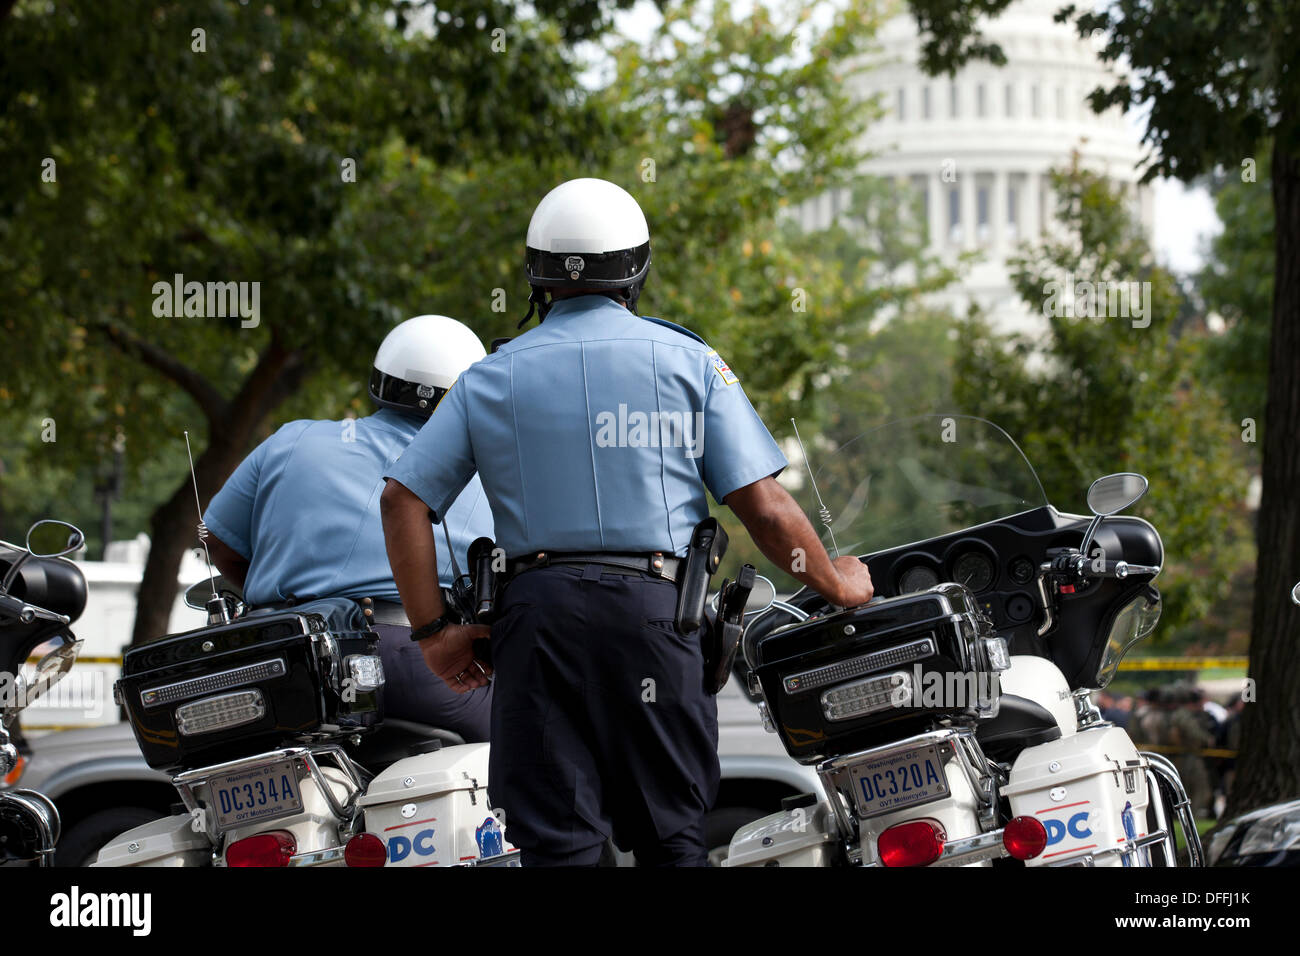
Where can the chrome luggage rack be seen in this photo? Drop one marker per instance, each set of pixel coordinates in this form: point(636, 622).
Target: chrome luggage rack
point(38, 812)
point(1165, 792)
point(954, 743)
point(306, 765)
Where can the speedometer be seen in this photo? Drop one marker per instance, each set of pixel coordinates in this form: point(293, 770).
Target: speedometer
point(973, 569)
point(917, 578)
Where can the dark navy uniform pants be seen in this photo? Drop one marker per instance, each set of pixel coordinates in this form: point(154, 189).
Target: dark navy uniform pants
point(413, 692)
point(601, 726)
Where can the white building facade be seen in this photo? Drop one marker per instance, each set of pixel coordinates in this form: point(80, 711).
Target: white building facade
point(978, 147)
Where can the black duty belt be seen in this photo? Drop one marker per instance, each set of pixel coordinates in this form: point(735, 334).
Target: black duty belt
point(378, 611)
point(656, 563)
point(383, 612)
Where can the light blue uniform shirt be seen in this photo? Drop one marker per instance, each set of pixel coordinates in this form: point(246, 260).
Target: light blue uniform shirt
point(596, 431)
point(304, 508)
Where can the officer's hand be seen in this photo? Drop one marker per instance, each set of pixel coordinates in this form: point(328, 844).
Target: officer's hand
point(855, 582)
point(450, 655)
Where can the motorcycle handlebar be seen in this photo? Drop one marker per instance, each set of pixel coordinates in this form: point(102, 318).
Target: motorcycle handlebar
point(26, 613)
point(1074, 563)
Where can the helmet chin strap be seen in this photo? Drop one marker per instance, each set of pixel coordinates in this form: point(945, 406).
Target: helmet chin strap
point(537, 301)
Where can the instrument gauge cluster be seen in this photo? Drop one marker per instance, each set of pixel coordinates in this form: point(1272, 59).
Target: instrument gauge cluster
point(1022, 570)
point(919, 572)
point(971, 563)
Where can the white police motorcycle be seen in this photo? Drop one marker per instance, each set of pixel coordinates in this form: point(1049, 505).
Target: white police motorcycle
point(270, 723)
point(949, 720)
point(40, 596)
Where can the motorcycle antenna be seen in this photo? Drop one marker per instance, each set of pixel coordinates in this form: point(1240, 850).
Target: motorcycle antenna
point(217, 604)
point(821, 505)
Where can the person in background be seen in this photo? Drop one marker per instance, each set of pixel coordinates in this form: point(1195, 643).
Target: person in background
point(299, 518)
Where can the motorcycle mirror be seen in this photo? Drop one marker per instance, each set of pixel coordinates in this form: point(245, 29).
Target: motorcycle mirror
point(53, 539)
point(1295, 593)
point(762, 596)
point(200, 593)
point(45, 539)
point(1113, 493)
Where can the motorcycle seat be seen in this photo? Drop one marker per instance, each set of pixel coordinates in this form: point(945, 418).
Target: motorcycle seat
point(395, 739)
point(1020, 723)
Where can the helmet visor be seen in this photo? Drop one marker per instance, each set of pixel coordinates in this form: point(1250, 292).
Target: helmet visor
point(598, 270)
point(393, 392)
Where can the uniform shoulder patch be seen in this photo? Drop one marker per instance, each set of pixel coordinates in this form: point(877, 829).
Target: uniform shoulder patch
point(724, 371)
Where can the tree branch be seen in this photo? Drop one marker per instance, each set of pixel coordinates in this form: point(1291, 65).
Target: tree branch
point(195, 385)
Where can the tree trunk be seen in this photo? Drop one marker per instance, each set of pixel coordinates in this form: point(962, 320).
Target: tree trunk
point(1268, 769)
point(172, 527)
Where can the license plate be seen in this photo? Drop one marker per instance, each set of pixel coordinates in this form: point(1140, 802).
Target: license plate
point(250, 796)
point(902, 780)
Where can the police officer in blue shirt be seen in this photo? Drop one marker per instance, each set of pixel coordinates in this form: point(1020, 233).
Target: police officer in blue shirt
point(299, 518)
point(596, 436)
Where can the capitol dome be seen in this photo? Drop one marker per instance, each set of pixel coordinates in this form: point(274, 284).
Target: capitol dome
point(978, 147)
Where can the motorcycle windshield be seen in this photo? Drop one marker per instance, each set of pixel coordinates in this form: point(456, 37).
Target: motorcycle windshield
point(920, 478)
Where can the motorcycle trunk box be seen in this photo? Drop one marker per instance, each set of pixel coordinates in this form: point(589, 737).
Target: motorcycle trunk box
point(864, 676)
point(1090, 792)
point(433, 810)
point(229, 690)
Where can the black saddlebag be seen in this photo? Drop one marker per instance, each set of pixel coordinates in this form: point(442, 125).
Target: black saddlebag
point(865, 676)
point(229, 690)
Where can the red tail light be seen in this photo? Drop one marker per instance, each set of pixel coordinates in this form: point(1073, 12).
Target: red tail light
point(365, 849)
point(265, 849)
point(1024, 837)
point(14, 775)
point(915, 843)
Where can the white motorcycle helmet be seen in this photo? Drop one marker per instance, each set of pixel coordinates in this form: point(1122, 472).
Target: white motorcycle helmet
point(587, 234)
point(419, 360)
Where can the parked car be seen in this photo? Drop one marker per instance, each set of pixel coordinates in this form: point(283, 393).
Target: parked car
point(102, 786)
point(1268, 836)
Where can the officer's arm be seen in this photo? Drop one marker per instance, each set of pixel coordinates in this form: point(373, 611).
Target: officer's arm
point(783, 533)
point(232, 565)
point(412, 553)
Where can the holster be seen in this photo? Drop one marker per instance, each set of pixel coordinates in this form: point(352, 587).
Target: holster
point(708, 545)
point(483, 596)
point(722, 639)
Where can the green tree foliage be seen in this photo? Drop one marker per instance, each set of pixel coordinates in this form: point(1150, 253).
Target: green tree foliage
point(1093, 396)
point(217, 140)
point(229, 156)
point(1237, 284)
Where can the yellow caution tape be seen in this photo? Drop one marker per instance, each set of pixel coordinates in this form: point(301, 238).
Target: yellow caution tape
point(43, 727)
point(1169, 749)
point(1182, 663)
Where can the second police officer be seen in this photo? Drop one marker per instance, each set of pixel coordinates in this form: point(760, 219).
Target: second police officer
point(595, 436)
point(299, 518)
